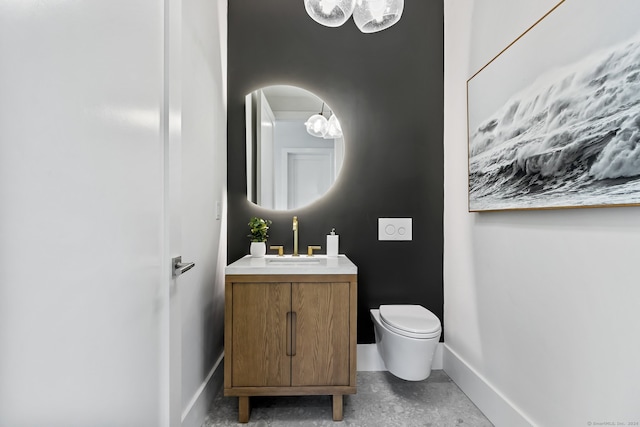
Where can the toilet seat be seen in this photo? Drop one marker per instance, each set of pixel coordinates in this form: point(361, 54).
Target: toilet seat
point(412, 321)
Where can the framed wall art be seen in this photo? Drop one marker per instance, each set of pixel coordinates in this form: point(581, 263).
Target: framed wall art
point(554, 119)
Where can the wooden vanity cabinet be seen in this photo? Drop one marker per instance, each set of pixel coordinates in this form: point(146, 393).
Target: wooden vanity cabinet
point(290, 335)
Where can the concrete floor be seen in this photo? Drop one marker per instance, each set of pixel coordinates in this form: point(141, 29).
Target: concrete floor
point(382, 401)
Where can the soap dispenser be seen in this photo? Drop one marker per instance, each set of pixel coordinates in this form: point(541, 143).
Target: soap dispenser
point(332, 243)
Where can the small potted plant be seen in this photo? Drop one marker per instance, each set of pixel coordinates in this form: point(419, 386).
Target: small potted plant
point(258, 228)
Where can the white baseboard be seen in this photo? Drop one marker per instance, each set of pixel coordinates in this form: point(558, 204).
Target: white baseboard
point(195, 412)
point(369, 359)
point(493, 404)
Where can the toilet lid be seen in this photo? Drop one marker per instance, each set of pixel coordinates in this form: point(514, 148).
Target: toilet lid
point(410, 318)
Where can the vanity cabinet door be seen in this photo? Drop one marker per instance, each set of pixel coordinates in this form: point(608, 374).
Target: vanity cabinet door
point(260, 335)
point(321, 332)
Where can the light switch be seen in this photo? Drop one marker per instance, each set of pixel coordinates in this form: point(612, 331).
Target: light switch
point(395, 228)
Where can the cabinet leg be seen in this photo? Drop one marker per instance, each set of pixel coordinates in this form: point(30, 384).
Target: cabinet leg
point(244, 409)
point(337, 407)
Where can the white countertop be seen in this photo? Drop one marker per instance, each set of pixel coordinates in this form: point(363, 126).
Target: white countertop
point(274, 264)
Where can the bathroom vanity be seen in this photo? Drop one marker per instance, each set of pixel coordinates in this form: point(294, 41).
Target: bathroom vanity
point(290, 329)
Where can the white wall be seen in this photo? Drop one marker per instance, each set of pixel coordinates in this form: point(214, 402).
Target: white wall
point(204, 141)
point(541, 306)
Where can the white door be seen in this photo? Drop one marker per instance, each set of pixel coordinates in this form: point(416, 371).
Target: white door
point(85, 214)
point(309, 173)
point(266, 128)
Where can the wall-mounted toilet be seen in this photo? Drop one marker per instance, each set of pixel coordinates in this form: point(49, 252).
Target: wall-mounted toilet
point(406, 337)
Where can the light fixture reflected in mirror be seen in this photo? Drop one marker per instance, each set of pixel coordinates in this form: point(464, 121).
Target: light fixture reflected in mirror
point(371, 16)
point(334, 130)
point(330, 13)
point(317, 125)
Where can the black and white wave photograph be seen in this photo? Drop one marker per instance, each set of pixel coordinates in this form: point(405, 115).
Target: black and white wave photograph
point(554, 120)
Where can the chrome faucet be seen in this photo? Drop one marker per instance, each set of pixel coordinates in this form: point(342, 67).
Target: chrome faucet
point(295, 236)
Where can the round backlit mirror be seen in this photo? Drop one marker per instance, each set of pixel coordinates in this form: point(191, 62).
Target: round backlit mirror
point(295, 147)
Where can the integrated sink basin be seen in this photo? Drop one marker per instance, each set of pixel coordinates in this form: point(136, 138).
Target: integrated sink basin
point(273, 264)
point(297, 261)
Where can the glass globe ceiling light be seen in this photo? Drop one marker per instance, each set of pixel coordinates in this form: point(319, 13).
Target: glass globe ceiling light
point(331, 13)
point(317, 125)
point(376, 15)
point(334, 130)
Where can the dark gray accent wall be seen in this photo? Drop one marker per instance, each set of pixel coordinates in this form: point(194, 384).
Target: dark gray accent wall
point(387, 89)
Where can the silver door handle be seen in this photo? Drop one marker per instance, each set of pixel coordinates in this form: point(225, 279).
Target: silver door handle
point(180, 267)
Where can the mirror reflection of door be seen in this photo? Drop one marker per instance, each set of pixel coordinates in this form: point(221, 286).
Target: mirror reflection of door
point(288, 168)
point(265, 145)
point(309, 173)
